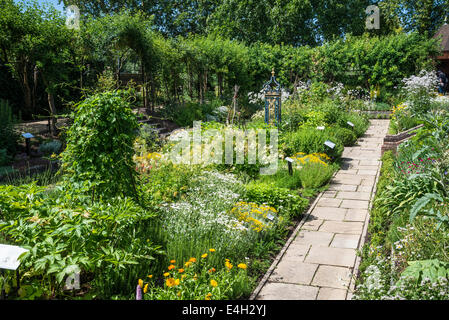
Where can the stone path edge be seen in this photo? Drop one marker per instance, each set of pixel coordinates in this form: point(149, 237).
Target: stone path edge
point(287, 244)
point(355, 271)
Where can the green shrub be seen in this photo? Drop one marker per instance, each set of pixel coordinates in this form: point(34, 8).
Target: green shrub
point(310, 140)
point(8, 136)
point(314, 175)
point(283, 179)
point(50, 147)
point(284, 200)
point(361, 122)
point(99, 154)
point(346, 136)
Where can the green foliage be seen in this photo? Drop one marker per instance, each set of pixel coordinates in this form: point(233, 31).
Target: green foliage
point(427, 269)
point(345, 135)
point(8, 136)
point(285, 201)
point(98, 157)
point(49, 148)
point(107, 242)
point(314, 175)
point(310, 140)
point(283, 179)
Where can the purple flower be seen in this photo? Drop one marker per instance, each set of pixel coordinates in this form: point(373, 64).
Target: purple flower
point(138, 293)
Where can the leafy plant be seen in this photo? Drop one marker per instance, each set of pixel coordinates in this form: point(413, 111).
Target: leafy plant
point(98, 158)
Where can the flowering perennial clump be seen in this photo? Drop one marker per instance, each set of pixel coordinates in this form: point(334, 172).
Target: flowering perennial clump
point(258, 217)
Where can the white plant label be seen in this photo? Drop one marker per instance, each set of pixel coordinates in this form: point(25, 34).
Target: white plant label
point(289, 159)
point(330, 144)
point(320, 128)
point(350, 123)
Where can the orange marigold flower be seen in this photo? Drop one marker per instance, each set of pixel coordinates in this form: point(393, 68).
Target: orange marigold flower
point(228, 265)
point(172, 261)
point(212, 270)
point(192, 260)
point(181, 270)
point(208, 296)
point(170, 282)
point(166, 274)
point(213, 283)
point(242, 266)
point(171, 267)
point(150, 276)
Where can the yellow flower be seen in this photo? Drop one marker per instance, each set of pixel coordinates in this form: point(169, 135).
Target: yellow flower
point(228, 265)
point(166, 274)
point(213, 283)
point(145, 289)
point(150, 276)
point(141, 283)
point(204, 255)
point(179, 293)
point(177, 281)
point(242, 266)
point(181, 270)
point(188, 263)
point(170, 282)
point(192, 260)
point(208, 296)
point(170, 267)
point(212, 250)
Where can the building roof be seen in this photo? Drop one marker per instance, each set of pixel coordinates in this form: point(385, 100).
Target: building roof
point(443, 33)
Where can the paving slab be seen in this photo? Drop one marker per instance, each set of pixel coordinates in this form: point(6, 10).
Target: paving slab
point(330, 213)
point(329, 202)
point(333, 256)
point(355, 204)
point(332, 277)
point(287, 291)
point(342, 227)
point(353, 195)
point(349, 241)
point(331, 294)
point(307, 237)
point(342, 187)
point(297, 273)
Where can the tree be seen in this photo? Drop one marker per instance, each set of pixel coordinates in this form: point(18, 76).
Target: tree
point(35, 43)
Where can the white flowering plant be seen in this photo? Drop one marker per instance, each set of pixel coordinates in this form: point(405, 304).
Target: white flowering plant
point(419, 89)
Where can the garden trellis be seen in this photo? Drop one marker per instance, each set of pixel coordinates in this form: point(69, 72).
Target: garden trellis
point(272, 91)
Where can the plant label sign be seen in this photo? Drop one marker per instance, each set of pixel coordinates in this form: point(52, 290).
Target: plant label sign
point(289, 159)
point(330, 144)
point(9, 256)
point(320, 128)
point(27, 135)
point(350, 124)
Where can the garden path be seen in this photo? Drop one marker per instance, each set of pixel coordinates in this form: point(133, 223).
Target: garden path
point(319, 260)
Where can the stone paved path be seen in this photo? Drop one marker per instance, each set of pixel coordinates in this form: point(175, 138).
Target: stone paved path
point(319, 259)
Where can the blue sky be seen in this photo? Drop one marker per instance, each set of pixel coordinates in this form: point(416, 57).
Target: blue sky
point(55, 3)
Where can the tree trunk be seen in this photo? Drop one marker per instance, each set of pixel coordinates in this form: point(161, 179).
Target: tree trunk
point(26, 88)
point(220, 85)
point(51, 103)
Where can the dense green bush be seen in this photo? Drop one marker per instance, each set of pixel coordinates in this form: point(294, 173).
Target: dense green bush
point(361, 122)
point(285, 201)
point(50, 148)
point(345, 135)
point(99, 154)
point(313, 175)
point(310, 140)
